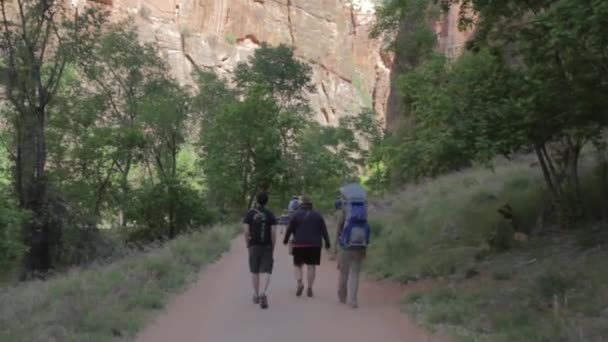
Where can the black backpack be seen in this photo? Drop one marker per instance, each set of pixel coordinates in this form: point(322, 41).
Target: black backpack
point(259, 234)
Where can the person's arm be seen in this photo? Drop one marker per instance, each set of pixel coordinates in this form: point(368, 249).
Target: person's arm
point(246, 233)
point(289, 231)
point(246, 223)
point(325, 234)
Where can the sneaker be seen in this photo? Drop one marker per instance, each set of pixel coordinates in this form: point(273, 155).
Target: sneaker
point(256, 299)
point(309, 292)
point(264, 301)
point(354, 305)
point(300, 289)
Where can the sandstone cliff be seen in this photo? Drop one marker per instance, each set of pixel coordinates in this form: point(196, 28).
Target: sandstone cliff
point(350, 70)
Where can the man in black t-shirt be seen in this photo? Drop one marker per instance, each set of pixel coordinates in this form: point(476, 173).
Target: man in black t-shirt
point(259, 227)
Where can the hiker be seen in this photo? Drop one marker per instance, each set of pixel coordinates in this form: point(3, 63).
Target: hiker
point(259, 227)
point(338, 203)
point(353, 238)
point(309, 231)
point(293, 206)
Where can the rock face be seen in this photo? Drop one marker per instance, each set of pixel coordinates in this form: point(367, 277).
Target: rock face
point(451, 42)
point(350, 70)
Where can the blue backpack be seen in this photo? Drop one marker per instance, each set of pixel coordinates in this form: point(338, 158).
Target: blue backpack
point(356, 231)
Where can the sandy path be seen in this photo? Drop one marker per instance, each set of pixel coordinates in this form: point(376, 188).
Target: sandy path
point(218, 308)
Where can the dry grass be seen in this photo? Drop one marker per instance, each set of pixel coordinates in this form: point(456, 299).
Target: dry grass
point(435, 227)
point(552, 290)
point(439, 228)
point(109, 302)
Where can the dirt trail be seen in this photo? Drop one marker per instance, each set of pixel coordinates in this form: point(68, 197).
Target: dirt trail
point(218, 308)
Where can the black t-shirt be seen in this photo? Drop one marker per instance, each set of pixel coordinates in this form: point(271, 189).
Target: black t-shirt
point(271, 220)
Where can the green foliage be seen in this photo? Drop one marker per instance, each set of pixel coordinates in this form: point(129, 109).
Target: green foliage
point(241, 150)
point(11, 246)
point(530, 82)
point(166, 209)
point(405, 25)
point(277, 72)
point(230, 38)
point(120, 144)
point(260, 137)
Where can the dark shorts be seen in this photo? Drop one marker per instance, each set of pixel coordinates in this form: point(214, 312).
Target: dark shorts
point(260, 259)
point(306, 256)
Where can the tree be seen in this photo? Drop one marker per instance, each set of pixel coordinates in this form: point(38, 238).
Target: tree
point(166, 110)
point(252, 133)
point(277, 71)
point(38, 40)
point(124, 72)
point(241, 149)
point(532, 82)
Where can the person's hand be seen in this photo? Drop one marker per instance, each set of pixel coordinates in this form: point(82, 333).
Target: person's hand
point(327, 245)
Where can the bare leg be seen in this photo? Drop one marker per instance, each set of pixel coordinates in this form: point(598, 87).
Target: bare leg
point(255, 278)
point(298, 271)
point(311, 274)
point(300, 287)
point(265, 280)
point(345, 264)
point(353, 278)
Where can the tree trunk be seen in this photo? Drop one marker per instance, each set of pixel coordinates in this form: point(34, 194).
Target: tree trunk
point(548, 173)
point(32, 191)
point(574, 186)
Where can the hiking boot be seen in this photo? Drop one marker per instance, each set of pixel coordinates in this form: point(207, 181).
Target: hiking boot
point(264, 301)
point(309, 292)
point(256, 299)
point(300, 289)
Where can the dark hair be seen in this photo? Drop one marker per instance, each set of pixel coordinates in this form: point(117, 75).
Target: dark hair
point(262, 198)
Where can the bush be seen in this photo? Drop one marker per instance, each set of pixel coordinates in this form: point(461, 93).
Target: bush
point(11, 247)
point(166, 209)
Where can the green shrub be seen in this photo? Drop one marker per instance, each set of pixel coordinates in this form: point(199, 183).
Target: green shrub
point(166, 209)
point(11, 247)
point(230, 38)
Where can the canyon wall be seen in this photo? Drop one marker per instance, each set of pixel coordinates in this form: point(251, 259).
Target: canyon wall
point(350, 70)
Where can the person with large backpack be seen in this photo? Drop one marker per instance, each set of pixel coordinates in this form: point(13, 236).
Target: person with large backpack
point(353, 238)
point(293, 206)
point(259, 227)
